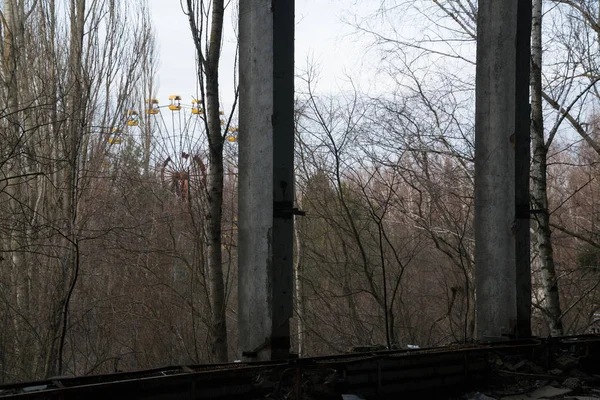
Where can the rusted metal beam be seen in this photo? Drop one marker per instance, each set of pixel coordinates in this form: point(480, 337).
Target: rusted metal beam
point(372, 375)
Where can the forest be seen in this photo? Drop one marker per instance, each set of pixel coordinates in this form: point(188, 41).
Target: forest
point(118, 213)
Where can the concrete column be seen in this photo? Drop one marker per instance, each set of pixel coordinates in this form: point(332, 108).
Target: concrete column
point(266, 178)
point(502, 169)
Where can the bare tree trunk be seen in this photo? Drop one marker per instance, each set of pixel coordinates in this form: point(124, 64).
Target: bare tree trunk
point(74, 134)
point(539, 197)
point(9, 62)
point(299, 291)
point(12, 60)
point(148, 69)
point(386, 310)
point(215, 186)
point(11, 90)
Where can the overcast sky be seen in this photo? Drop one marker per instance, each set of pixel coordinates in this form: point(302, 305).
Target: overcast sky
point(320, 35)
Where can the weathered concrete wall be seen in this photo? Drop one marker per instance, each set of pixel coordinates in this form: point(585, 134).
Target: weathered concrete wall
point(266, 174)
point(501, 178)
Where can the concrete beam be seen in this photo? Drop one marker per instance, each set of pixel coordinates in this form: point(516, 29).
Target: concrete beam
point(266, 178)
point(503, 276)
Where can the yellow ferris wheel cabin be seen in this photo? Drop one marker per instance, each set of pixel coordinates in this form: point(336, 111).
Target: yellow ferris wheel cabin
point(197, 107)
point(152, 106)
point(175, 102)
point(133, 118)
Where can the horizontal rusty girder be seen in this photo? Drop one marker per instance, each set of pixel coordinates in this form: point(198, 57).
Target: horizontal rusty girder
point(373, 374)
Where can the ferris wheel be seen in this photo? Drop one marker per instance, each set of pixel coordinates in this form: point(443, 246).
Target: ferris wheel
point(174, 133)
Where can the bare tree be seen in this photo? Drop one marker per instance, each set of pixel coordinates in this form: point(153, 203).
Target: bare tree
point(539, 172)
point(353, 230)
point(62, 111)
point(206, 25)
point(425, 63)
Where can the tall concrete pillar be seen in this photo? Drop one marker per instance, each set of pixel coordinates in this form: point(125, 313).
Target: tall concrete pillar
point(266, 178)
point(503, 276)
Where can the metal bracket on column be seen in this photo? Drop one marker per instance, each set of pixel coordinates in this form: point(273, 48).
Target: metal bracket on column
point(286, 209)
point(524, 212)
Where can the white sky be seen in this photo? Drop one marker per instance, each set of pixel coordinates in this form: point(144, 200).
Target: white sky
point(320, 36)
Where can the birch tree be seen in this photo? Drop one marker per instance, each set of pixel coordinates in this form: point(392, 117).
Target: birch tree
point(539, 172)
point(206, 25)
